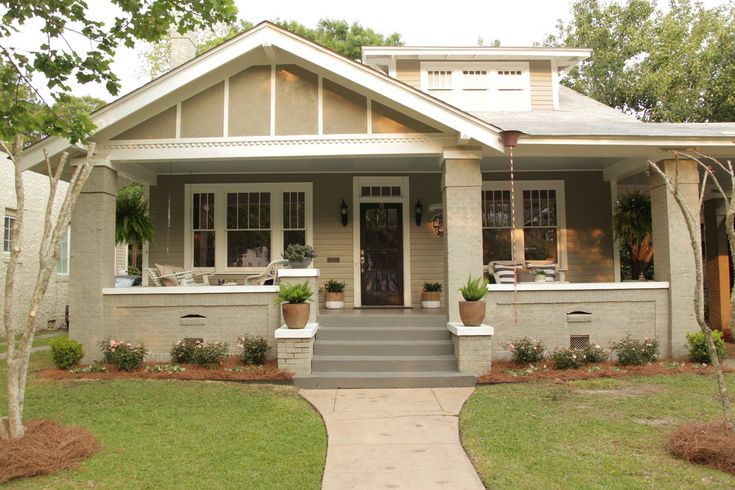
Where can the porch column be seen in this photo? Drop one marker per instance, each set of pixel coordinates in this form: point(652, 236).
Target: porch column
point(717, 261)
point(92, 258)
point(673, 256)
point(462, 204)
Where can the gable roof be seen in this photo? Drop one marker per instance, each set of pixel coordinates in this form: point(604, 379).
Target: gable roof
point(267, 34)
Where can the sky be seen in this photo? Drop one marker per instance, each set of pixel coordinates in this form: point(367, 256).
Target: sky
point(457, 23)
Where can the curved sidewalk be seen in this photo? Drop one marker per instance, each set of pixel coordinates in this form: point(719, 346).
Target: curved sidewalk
point(394, 438)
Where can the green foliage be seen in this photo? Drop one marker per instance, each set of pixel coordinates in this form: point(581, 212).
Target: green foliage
point(526, 350)
point(698, 347)
point(568, 358)
point(475, 289)
point(47, 55)
point(164, 368)
point(124, 355)
point(254, 349)
point(670, 67)
point(132, 223)
point(632, 352)
point(432, 287)
point(65, 352)
point(210, 354)
point(183, 350)
point(294, 293)
point(595, 354)
point(95, 367)
point(333, 286)
point(632, 217)
point(297, 252)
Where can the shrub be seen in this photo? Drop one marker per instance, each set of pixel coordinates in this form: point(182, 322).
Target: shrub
point(698, 347)
point(568, 358)
point(432, 287)
point(475, 289)
point(66, 353)
point(294, 293)
point(297, 252)
point(254, 349)
point(183, 350)
point(332, 286)
point(635, 352)
point(122, 354)
point(526, 350)
point(595, 354)
point(210, 354)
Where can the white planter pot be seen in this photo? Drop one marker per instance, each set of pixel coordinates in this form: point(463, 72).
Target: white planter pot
point(431, 304)
point(334, 305)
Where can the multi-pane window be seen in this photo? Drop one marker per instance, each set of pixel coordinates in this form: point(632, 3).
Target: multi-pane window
point(203, 229)
point(380, 191)
point(496, 226)
point(439, 79)
point(8, 224)
point(248, 229)
point(540, 225)
point(475, 80)
point(62, 266)
point(294, 218)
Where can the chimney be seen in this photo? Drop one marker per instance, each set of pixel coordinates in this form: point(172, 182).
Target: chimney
point(181, 50)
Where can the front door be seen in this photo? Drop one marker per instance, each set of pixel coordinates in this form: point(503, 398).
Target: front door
point(381, 254)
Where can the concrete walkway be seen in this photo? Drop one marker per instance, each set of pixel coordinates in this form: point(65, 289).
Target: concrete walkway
point(394, 438)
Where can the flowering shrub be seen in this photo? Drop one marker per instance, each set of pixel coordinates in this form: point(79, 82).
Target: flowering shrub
point(254, 349)
point(66, 353)
point(210, 354)
point(122, 354)
point(635, 352)
point(595, 353)
point(526, 350)
point(165, 368)
point(698, 347)
point(183, 350)
point(568, 358)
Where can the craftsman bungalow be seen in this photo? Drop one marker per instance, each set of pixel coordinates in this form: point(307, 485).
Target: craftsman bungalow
point(271, 139)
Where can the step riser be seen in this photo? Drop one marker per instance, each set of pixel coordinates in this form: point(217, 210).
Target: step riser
point(382, 321)
point(387, 349)
point(369, 365)
point(315, 382)
point(381, 334)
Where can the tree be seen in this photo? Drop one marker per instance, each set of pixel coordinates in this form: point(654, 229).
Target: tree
point(673, 67)
point(132, 223)
point(632, 226)
point(338, 35)
point(53, 60)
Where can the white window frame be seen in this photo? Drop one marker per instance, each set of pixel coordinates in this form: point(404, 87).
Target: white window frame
point(517, 235)
point(9, 213)
point(64, 258)
point(455, 95)
point(220, 191)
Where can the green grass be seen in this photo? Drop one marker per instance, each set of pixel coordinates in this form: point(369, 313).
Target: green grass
point(604, 433)
point(182, 434)
point(37, 342)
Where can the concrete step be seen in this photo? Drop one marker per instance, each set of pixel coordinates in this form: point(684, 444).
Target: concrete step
point(383, 348)
point(404, 364)
point(368, 319)
point(424, 379)
point(382, 333)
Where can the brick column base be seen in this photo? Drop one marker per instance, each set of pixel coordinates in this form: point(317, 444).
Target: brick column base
point(472, 348)
point(295, 348)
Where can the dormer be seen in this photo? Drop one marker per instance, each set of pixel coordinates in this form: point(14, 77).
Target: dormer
point(481, 79)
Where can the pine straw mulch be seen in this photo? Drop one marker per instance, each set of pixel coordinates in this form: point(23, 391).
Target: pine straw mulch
point(711, 444)
point(510, 372)
point(46, 448)
point(231, 369)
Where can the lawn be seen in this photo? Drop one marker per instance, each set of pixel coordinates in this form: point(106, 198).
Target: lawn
point(37, 341)
point(182, 434)
point(603, 433)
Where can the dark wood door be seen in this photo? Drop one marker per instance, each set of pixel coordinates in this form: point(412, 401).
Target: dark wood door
point(381, 254)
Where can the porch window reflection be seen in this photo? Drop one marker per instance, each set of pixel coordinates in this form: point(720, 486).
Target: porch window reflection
point(248, 229)
point(203, 228)
point(496, 226)
point(540, 224)
point(294, 218)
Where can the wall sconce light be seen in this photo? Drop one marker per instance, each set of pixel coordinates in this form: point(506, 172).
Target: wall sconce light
point(343, 212)
point(418, 212)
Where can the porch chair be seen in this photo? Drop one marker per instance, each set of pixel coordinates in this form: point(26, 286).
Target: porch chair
point(153, 276)
point(269, 276)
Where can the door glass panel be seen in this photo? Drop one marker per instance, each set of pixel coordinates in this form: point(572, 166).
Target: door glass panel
point(381, 254)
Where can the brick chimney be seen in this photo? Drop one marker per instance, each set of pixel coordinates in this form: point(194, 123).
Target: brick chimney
point(181, 50)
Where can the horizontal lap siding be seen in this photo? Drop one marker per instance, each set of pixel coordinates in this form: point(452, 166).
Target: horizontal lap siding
point(542, 95)
point(409, 72)
point(427, 250)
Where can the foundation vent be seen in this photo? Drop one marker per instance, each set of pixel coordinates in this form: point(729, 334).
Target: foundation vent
point(579, 341)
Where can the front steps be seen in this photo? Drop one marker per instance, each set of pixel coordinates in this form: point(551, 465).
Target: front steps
point(383, 350)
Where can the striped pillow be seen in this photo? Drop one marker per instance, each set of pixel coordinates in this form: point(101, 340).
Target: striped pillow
point(549, 270)
point(504, 274)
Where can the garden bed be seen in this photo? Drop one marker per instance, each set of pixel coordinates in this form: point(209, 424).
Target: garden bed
point(231, 369)
point(511, 372)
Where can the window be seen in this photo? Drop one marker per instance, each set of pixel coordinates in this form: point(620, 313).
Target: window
point(8, 224)
point(439, 79)
point(539, 221)
point(62, 266)
point(243, 227)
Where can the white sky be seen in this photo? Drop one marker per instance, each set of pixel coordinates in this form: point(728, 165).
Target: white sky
point(457, 23)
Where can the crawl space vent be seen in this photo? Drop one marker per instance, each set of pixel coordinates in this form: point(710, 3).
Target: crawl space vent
point(579, 341)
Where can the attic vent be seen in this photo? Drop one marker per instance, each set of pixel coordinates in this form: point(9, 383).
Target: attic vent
point(510, 72)
point(440, 79)
point(579, 341)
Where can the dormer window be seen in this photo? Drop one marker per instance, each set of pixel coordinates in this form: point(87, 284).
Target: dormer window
point(486, 86)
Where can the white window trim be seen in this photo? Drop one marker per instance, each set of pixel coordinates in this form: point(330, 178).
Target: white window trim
point(517, 230)
point(357, 199)
point(220, 191)
point(492, 68)
point(9, 213)
point(68, 254)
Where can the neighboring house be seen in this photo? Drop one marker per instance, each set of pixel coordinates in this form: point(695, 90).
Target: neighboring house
point(53, 310)
point(256, 143)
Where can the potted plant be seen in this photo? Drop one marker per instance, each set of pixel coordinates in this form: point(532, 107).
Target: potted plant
point(299, 256)
point(472, 309)
point(539, 275)
point(334, 294)
point(431, 295)
point(293, 298)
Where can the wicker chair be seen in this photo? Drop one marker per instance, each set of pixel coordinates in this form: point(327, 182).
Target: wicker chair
point(270, 276)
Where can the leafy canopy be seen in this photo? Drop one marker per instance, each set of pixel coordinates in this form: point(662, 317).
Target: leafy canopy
point(665, 67)
point(132, 223)
point(42, 71)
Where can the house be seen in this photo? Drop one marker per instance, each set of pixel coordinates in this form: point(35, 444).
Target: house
point(257, 143)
